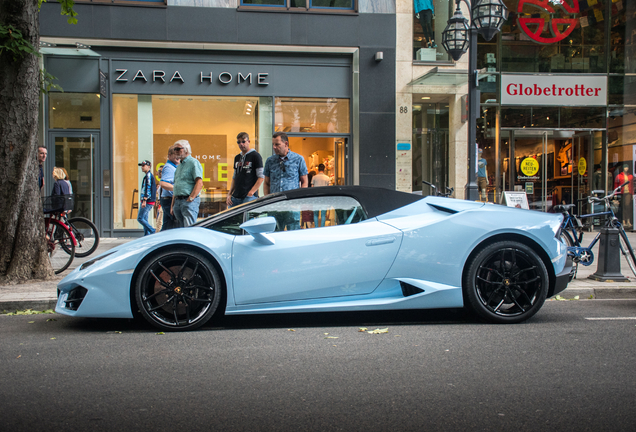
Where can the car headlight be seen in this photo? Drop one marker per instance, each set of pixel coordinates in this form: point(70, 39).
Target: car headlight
point(94, 260)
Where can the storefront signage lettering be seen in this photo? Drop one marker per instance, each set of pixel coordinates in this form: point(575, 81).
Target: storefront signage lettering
point(529, 166)
point(543, 17)
point(559, 90)
point(124, 75)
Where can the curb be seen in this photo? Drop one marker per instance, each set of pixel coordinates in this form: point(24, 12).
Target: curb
point(17, 305)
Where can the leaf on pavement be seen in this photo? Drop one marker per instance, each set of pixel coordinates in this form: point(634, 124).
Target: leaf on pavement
point(362, 329)
point(160, 333)
point(52, 338)
point(19, 356)
point(31, 322)
point(291, 330)
point(331, 337)
point(379, 331)
point(51, 319)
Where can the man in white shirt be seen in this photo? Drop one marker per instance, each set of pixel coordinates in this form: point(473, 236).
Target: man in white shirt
point(320, 179)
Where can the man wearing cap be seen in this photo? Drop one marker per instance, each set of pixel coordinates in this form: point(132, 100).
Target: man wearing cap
point(188, 182)
point(148, 197)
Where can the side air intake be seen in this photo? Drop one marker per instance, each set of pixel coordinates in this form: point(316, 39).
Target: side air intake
point(409, 290)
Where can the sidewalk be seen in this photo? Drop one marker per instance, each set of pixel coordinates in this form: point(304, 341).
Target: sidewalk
point(41, 295)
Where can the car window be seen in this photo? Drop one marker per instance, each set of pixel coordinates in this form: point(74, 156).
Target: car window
point(231, 225)
point(314, 212)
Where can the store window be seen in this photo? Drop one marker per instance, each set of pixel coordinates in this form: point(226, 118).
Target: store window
point(430, 18)
point(315, 212)
point(307, 5)
point(316, 116)
point(530, 43)
point(144, 126)
point(622, 38)
point(74, 110)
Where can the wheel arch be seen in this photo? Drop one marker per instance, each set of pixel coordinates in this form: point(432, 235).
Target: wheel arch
point(175, 247)
point(518, 238)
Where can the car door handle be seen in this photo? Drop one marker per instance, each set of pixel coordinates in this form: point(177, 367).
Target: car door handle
point(380, 241)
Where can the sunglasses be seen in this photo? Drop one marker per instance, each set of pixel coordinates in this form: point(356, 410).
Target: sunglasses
point(282, 165)
point(239, 142)
point(178, 148)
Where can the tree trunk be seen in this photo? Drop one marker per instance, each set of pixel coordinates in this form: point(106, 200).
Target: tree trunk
point(23, 253)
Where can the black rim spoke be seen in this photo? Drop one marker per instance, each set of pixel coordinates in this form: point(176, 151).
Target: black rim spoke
point(514, 300)
point(158, 279)
point(175, 305)
point(180, 274)
point(489, 282)
point(168, 270)
point(523, 293)
point(194, 273)
point(163, 291)
point(160, 306)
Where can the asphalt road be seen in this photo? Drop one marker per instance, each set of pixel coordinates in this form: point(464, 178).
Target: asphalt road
point(432, 371)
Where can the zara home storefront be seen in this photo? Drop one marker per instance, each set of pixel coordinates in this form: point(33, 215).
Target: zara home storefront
point(136, 104)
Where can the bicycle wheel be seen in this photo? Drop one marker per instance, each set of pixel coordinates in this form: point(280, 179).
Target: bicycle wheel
point(566, 238)
point(86, 235)
point(627, 251)
point(60, 245)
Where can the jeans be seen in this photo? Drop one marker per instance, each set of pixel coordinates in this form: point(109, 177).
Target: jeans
point(323, 217)
point(169, 221)
point(186, 212)
point(237, 201)
point(142, 218)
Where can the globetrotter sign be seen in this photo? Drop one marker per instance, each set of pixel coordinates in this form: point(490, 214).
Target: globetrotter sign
point(558, 90)
point(544, 17)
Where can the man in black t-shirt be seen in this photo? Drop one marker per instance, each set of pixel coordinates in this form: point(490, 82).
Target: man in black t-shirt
point(248, 173)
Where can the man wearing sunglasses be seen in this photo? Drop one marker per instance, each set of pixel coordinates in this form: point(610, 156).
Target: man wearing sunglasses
point(284, 170)
point(248, 173)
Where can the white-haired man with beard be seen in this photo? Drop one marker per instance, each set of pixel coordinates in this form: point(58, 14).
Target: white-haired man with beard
point(188, 182)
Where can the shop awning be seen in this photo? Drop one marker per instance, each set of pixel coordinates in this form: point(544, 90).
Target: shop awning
point(447, 77)
point(81, 52)
point(442, 77)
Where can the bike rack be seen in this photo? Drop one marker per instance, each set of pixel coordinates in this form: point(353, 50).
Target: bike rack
point(609, 259)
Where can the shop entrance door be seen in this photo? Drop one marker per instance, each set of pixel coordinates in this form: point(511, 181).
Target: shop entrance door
point(75, 152)
point(552, 166)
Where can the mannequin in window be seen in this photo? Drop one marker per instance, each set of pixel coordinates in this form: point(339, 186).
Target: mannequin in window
point(424, 11)
point(626, 195)
point(482, 176)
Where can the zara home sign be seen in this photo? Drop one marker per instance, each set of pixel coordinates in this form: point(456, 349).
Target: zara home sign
point(559, 90)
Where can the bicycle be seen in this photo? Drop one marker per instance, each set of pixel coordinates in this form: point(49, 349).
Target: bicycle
point(59, 238)
point(571, 231)
point(449, 191)
point(85, 233)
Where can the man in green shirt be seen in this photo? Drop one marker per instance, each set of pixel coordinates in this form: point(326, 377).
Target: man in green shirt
point(188, 182)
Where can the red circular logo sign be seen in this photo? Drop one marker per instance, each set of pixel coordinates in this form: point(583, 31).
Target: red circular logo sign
point(534, 27)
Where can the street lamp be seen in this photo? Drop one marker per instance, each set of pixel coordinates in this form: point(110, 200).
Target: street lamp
point(487, 17)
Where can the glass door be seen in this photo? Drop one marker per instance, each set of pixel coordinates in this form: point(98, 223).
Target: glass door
point(532, 167)
point(583, 165)
point(75, 152)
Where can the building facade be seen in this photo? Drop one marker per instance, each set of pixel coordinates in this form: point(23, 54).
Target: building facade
point(137, 76)
point(556, 94)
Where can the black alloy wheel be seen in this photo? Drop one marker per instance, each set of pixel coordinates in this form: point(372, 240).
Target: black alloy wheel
point(178, 290)
point(506, 282)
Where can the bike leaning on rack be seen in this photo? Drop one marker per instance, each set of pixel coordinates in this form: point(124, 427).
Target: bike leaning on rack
point(59, 238)
point(572, 231)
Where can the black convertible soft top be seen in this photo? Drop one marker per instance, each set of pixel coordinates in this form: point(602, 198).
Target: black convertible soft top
point(375, 201)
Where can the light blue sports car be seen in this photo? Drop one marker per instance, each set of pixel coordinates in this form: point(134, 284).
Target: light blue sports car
point(338, 248)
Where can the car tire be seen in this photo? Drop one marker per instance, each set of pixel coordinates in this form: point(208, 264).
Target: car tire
point(178, 290)
point(506, 282)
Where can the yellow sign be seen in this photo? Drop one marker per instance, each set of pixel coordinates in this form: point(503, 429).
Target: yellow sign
point(529, 166)
point(582, 166)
